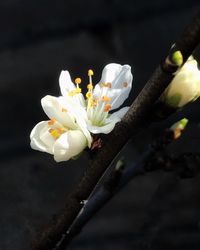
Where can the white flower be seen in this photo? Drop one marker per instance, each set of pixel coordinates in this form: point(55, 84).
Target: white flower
point(65, 135)
point(72, 117)
point(185, 87)
point(109, 94)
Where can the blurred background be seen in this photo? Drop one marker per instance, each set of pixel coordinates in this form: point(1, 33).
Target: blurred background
point(39, 39)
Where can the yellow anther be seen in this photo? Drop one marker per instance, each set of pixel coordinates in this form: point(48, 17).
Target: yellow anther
point(107, 107)
point(88, 95)
point(94, 102)
point(78, 90)
point(52, 121)
point(107, 84)
point(90, 72)
point(106, 99)
point(54, 133)
point(125, 84)
point(90, 86)
point(72, 93)
point(57, 132)
point(64, 110)
point(60, 130)
point(78, 80)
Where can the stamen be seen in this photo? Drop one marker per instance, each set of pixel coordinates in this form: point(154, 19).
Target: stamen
point(90, 72)
point(78, 80)
point(60, 130)
point(107, 107)
point(52, 121)
point(78, 90)
point(125, 84)
point(107, 84)
point(72, 92)
point(64, 110)
point(90, 86)
point(94, 102)
point(88, 94)
point(106, 99)
point(91, 102)
point(57, 132)
point(54, 133)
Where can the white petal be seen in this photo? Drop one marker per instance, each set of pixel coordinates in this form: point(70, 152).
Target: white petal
point(110, 72)
point(80, 115)
point(65, 82)
point(103, 129)
point(69, 145)
point(116, 74)
point(121, 79)
point(119, 99)
point(109, 122)
point(54, 108)
point(40, 138)
point(118, 115)
point(83, 126)
point(66, 85)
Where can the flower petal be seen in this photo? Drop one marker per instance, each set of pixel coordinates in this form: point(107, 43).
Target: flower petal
point(111, 72)
point(83, 126)
point(120, 78)
point(66, 85)
point(40, 138)
point(106, 129)
point(80, 115)
point(55, 108)
point(65, 82)
point(109, 122)
point(118, 115)
point(69, 145)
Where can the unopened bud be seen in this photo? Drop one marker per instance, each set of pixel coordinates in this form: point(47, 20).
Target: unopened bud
point(185, 87)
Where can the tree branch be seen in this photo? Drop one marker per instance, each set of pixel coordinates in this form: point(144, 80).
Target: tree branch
point(153, 158)
point(134, 119)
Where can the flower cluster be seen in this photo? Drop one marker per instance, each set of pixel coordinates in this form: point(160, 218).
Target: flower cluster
point(73, 118)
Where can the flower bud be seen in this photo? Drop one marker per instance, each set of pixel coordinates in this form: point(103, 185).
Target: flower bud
point(179, 127)
point(185, 87)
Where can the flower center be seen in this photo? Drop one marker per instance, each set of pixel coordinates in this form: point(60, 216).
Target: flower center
point(97, 106)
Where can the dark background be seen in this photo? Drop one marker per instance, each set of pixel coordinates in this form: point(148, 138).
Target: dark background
point(37, 40)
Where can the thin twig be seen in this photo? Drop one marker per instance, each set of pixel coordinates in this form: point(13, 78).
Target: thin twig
point(134, 119)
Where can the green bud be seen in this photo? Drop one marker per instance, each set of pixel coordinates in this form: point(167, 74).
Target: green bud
point(119, 165)
point(177, 58)
point(178, 127)
point(183, 122)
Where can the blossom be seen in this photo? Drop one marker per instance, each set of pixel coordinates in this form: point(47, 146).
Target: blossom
point(72, 118)
point(65, 135)
point(109, 94)
point(185, 87)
